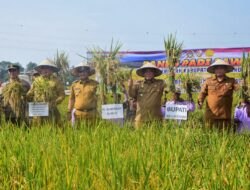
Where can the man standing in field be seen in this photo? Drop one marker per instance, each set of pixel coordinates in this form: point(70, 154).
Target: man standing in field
point(49, 89)
point(82, 104)
point(219, 92)
point(148, 94)
point(13, 95)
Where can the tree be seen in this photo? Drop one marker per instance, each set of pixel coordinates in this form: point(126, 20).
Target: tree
point(30, 66)
point(3, 68)
point(62, 62)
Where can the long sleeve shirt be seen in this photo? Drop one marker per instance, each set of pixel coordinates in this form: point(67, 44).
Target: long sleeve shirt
point(148, 95)
point(219, 97)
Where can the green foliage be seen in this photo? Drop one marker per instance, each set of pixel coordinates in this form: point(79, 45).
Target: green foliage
point(3, 69)
point(190, 82)
point(30, 66)
point(173, 51)
point(62, 62)
point(108, 69)
point(106, 156)
point(109, 157)
point(244, 75)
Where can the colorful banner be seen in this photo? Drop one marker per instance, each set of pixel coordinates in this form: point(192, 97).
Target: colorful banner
point(191, 60)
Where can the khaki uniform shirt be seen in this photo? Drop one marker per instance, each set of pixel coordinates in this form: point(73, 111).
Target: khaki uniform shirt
point(148, 96)
point(84, 95)
point(219, 97)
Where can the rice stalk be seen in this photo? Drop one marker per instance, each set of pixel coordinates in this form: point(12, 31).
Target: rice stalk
point(107, 67)
point(173, 51)
point(244, 76)
point(44, 91)
point(190, 83)
point(14, 96)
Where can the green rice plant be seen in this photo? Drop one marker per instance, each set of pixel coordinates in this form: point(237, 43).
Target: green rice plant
point(191, 83)
point(108, 157)
point(173, 51)
point(244, 76)
point(62, 62)
point(108, 69)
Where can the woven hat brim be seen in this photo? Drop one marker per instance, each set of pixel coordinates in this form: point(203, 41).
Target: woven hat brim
point(75, 72)
point(156, 71)
point(211, 69)
point(54, 69)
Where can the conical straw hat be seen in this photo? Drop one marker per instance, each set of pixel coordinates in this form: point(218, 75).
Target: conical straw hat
point(148, 65)
point(47, 63)
point(80, 67)
point(220, 62)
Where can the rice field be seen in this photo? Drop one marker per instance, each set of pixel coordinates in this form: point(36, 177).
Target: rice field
point(107, 156)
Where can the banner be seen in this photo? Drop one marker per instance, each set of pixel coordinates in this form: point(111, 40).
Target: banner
point(191, 60)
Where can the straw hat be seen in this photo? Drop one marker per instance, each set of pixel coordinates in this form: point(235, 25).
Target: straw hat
point(81, 67)
point(47, 63)
point(220, 62)
point(148, 65)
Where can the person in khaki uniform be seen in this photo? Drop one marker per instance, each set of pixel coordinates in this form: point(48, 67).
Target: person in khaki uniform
point(13, 96)
point(47, 88)
point(219, 93)
point(83, 99)
point(148, 94)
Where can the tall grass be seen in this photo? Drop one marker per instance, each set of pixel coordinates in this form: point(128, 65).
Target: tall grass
point(106, 156)
point(109, 157)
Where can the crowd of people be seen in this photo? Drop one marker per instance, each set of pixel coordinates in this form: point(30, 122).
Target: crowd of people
point(143, 98)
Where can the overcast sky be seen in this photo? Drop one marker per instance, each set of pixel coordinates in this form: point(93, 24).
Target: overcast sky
point(33, 30)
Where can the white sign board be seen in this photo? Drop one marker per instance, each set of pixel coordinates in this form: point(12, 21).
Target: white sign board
point(67, 92)
point(38, 109)
point(174, 111)
point(112, 111)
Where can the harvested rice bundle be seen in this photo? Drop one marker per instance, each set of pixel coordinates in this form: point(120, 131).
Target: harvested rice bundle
point(44, 90)
point(14, 96)
point(107, 67)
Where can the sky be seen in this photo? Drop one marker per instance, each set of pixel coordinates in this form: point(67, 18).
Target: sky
point(32, 30)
